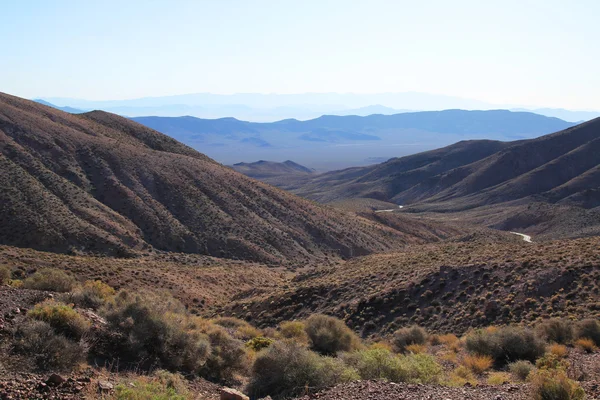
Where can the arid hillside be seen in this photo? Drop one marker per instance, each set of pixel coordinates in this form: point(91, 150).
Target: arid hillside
point(100, 183)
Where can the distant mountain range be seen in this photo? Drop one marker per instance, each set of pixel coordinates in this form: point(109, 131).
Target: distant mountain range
point(330, 142)
point(274, 107)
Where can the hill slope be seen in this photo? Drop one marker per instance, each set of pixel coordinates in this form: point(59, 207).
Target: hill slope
point(266, 169)
point(97, 182)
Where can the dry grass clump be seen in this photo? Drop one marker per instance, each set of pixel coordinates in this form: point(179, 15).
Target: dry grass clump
point(460, 377)
point(93, 294)
point(590, 329)
point(161, 385)
point(329, 335)
point(50, 279)
point(559, 350)
point(585, 344)
point(293, 330)
point(61, 317)
point(5, 274)
point(521, 369)
point(405, 337)
point(477, 364)
point(498, 378)
point(555, 385)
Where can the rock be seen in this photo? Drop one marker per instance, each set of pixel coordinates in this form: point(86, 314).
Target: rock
point(232, 394)
point(55, 380)
point(105, 386)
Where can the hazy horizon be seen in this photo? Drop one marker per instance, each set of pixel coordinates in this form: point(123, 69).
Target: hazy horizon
point(531, 54)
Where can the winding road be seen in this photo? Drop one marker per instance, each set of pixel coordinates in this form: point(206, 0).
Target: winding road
point(526, 238)
point(390, 210)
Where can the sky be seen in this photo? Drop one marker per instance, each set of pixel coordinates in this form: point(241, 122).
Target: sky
point(517, 52)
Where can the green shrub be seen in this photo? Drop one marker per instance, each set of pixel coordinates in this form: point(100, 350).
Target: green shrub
point(405, 337)
point(153, 331)
point(548, 385)
point(50, 279)
point(521, 369)
point(287, 369)
point(552, 361)
point(506, 344)
point(93, 294)
point(227, 356)
point(62, 317)
point(259, 343)
point(590, 329)
point(162, 385)
point(383, 364)
point(294, 330)
point(5, 274)
point(329, 335)
point(556, 330)
point(49, 350)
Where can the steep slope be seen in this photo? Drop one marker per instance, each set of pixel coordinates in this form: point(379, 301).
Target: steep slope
point(97, 182)
point(384, 181)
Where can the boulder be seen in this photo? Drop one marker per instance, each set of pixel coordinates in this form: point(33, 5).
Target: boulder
point(232, 394)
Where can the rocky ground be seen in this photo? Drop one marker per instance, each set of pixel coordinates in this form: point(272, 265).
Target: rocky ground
point(375, 390)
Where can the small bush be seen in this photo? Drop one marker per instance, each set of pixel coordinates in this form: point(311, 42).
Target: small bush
point(416, 348)
point(50, 279)
point(548, 385)
point(586, 345)
point(506, 344)
point(227, 356)
point(498, 378)
point(478, 364)
point(287, 368)
point(448, 340)
point(162, 385)
point(383, 364)
point(405, 337)
point(247, 332)
point(5, 274)
point(460, 377)
point(49, 350)
point(93, 294)
point(62, 317)
point(520, 369)
point(154, 330)
point(329, 335)
point(230, 322)
point(294, 330)
point(590, 329)
point(556, 330)
point(259, 343)
point(559, 350)
point(551, 361)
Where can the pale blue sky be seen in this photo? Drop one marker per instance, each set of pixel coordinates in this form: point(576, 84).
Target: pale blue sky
point(519, 52)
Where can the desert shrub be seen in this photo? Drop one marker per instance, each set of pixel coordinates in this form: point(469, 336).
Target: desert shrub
point(93, 294)
point(551, 361)
point(448, 339)
point(329, 335)
point(247, 332)
point(477, 364)
point(49, 350)
point(416, 348)
point(506, 344)
point(586, 345)
point(383, 364)
point(546, 385)
point(61, 317)
point(227, 355)
point(460, 377)
point(559, 350)
point(5, 274)
point(162, 385)
point(405, 337)
point(288, 368)
point(294, 330)
point(230, 322)
point(556, 330)
point(498, 378)
point(50, 279)
point(259, 343)
point(153, 330)
point(520, 369)
point(589, 328)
